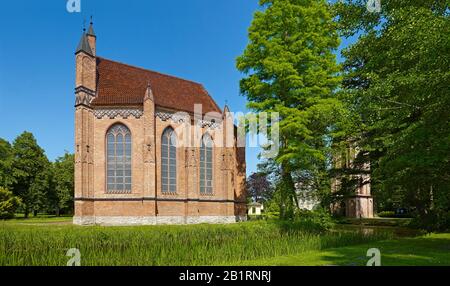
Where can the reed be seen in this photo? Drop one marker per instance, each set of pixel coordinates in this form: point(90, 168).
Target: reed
point(22, 244)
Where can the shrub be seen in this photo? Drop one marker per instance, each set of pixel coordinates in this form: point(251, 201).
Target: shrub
point(8, 204)
point(437, 220)
point(392, 214)
point(255, 217)
point(272, 214)
point(386, 214)
point(317, 220)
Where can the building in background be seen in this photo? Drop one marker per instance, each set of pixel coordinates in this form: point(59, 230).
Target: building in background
point(306, 197)
point(255, 209)
point(360, 202)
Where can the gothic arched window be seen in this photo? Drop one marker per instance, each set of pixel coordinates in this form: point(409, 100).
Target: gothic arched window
point(118, 160)
point(206, 165)
point(169, 161)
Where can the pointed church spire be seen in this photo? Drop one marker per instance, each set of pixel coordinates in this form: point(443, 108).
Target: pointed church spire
point(83, 45)
point(91, 29)
point(92, 38)
point(226, 109)
point(148, 93)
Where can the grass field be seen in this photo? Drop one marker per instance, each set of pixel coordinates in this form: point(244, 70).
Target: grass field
point(41, 219)
point(427, 250)
point(45, 241)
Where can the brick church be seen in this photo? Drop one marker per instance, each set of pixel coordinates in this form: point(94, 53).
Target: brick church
point(151, 148)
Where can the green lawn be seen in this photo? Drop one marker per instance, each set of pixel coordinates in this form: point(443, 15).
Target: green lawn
point(40, 219)
point(45, 241)
point(427, 250)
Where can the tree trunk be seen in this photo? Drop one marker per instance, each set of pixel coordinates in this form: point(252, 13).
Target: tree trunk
point(288, 196)
point(431, 198)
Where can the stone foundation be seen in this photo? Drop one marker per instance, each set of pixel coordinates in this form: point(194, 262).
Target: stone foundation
point(359, 206)
point(154, 220)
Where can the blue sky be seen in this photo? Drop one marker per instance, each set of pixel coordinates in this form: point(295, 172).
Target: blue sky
point(196, 39)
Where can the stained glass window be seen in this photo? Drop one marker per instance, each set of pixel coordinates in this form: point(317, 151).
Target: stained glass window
point(169, 161)
point(118, 161)
point(206, 165)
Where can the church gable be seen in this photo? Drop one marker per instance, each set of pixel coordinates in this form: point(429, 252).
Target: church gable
point(120, 84)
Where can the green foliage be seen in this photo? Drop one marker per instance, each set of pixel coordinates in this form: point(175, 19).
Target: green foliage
point(61, 196)
point(386, 214)
point(8, 204)
point(392, 214)
point(259, 189)
point(42, 186)
point(428, 250)
point(31, 171)
point(272, 207)
point(397, 79)
point(6, 156)
point(291, 69)
point(166, 245)
point(436, 220)
point(256, 217)
point(315, 220)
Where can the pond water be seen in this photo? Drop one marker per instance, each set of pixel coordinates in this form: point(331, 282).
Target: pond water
point(366, 229)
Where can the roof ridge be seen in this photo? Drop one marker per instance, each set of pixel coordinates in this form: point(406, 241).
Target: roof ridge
point(148, 70)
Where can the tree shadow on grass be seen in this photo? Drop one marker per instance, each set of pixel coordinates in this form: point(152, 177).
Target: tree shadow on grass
point(421, 251)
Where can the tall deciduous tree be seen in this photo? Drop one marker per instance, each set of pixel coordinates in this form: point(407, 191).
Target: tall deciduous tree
point(62, 192)
point(397, 78)
point(8, 204)
point(31, 171)
point(6, 178)
point(259, 188)
point(291, 69)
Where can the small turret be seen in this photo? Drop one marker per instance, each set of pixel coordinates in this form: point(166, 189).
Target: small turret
point(83, 45)
point(148, 93)
point(86, 67)
point(92, 38)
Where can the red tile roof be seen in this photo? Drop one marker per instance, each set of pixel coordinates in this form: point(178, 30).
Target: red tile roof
point(121, 84)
